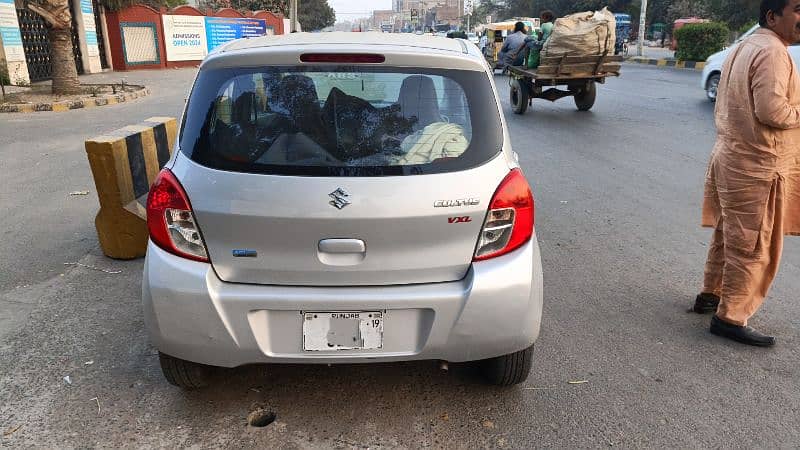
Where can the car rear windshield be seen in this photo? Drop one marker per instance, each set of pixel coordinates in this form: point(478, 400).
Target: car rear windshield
point(341, 121)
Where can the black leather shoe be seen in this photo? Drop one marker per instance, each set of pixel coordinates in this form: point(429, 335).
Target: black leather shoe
point(745, 335)
point(705, 303)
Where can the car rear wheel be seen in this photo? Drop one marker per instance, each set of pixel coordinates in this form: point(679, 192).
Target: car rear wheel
point(585, 97)
point(508, 369)
point(184, 374)
point(711, 87)
point(519, 97)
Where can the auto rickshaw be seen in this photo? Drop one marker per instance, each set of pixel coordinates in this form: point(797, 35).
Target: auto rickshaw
point(498, 31)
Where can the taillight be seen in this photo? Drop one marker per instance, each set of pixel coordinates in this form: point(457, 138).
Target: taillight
point(509, 223)
point(170, 220)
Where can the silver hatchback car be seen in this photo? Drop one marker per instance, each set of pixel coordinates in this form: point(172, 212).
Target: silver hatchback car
point(342, 198)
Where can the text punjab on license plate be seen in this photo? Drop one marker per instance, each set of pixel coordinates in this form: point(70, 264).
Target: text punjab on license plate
point(351, 330)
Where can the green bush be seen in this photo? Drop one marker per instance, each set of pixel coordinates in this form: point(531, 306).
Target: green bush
point(698, 41)
point(746, 27)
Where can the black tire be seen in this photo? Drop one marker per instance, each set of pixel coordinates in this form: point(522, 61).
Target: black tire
point(509, 369)
point(519, 97)
point(184, 374)
point(711, 87)
point(585, 97)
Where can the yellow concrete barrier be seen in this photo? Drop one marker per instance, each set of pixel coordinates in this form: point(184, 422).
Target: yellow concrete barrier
point(124, 164)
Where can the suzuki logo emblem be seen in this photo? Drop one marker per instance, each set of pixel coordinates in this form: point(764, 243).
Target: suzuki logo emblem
point(340, 198)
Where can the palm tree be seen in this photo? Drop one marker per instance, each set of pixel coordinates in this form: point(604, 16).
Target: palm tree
point(58, 16)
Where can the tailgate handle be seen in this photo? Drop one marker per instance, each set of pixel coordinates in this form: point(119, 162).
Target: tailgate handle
point(342, 246)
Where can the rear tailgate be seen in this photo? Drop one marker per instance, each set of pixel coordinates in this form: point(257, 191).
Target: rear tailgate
point(342, 174)
point(300, 238)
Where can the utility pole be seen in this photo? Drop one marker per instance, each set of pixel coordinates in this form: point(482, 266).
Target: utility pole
point(293, 15)
point(468, 11)
point(642, 26)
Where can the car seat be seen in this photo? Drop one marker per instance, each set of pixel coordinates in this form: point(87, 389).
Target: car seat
point(298, 100)
point(418, 100)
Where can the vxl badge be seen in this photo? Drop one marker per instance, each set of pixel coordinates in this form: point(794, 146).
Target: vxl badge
point(340, 198)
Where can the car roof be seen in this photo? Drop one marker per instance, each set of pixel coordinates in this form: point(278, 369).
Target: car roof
point(399, 50)
point(369, 38)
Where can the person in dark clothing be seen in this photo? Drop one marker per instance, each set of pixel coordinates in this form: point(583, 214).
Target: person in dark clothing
point(511, 54)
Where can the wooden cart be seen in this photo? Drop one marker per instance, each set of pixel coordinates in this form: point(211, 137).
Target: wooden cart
point(579, 74)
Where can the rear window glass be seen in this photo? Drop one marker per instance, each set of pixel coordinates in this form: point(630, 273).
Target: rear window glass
point(341, 121)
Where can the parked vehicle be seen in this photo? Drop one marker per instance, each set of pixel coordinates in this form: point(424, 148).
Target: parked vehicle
point(342, 198)
point(473, 37)
point(712, 70)
point(622, 32)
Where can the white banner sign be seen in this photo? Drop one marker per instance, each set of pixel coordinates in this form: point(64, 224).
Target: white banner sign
point(185, 37)
point(89, 26)
point(9, 31)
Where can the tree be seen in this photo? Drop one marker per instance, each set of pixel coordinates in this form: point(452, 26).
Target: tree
point(656, 10)
point(735, 13)
point(519, 8)
point(485, 8)
point(313, 14)
point(281, 6)
point(58, 17)
point(688, 8)
point(116, 5)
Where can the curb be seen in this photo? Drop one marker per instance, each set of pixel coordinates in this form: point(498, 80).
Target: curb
point(67, 105)
point(678, 64)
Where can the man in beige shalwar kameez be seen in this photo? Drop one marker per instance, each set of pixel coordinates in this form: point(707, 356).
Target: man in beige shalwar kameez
point(752, 190)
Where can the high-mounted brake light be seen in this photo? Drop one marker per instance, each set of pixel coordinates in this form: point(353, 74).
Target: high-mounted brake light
point(509, 222)
point(354, 58)
point(170, 219)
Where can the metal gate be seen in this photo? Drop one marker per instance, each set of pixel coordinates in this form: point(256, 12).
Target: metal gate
point(37, 45)
point(101, 42)
point(76, 42)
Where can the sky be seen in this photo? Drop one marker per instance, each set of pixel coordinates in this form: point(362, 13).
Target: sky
point(354, 9)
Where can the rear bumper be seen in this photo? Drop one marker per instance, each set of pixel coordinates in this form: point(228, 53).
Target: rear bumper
point(190, 314)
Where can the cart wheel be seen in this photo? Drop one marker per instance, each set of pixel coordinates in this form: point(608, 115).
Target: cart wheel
point(519, 97)
point(586, 96)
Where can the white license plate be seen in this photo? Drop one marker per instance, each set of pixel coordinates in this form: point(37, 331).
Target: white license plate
point(346, 330)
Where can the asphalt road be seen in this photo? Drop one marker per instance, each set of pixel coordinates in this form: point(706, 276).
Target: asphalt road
point(618, 194)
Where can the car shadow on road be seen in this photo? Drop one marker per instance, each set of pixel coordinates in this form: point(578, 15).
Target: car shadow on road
point(350, 399)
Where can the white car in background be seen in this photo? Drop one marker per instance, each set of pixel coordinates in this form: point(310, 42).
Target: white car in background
point(473, 37)
point(713, 67)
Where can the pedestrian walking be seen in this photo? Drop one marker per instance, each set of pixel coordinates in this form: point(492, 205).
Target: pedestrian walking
point(483, 42)
point(752, 186)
